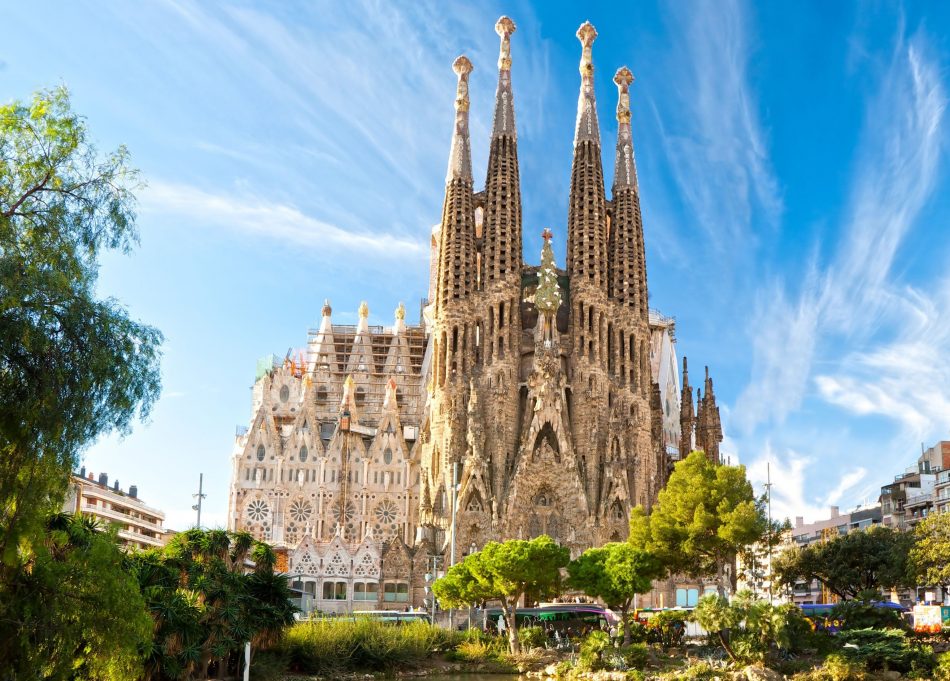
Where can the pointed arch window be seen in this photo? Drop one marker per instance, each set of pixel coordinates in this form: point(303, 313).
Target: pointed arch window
point(260, 452)
point(304, 453)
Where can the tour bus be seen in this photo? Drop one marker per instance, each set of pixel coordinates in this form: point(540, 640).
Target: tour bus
point(818, 615)
point(393, 616)
point(563, 617)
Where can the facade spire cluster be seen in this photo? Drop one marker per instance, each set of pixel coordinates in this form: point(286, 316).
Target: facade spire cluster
point(538, 400)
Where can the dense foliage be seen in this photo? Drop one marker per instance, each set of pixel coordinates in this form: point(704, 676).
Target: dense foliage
point(74, 611)
point(850, 565)
point(703, 518)
point(930, 555)
point(72, 367)
point(615, 573)
point(206, 604)
point(747, 628)
point(505, 571)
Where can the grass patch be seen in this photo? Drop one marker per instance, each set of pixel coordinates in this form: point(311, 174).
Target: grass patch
point(329, 647)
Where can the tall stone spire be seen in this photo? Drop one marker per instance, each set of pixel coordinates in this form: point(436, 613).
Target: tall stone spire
point(709, 426)
point(687, 415)
point(628, 283)
point(502, 227)
point(457, 234)
point(586, 217)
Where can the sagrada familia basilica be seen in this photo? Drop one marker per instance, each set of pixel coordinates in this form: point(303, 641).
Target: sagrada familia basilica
point(529, 400)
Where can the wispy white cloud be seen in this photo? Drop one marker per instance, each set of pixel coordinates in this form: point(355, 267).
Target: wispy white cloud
point(716, 143)
point(851, 330)
point(262, 217)
point(855, 297)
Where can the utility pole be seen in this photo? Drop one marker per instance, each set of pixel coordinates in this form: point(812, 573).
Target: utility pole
point(199, 496)
point(768, 488)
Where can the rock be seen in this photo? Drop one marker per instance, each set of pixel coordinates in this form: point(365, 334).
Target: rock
point(550, 670)
point(758, 673)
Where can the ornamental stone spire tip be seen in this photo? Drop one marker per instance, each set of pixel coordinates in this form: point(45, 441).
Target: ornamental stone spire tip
point(625, 167)
point(460, 157)
point(587, 127)
point(504, 27)
point(503, 122)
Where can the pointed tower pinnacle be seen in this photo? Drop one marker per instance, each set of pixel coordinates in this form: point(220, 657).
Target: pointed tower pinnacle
point(587, 127)
point(456, 254)
point(502, 225)
point(460, 158)
point(625, 168)
point(587, 211)
point(504, 120)
point(687, 415)
point(628, 276)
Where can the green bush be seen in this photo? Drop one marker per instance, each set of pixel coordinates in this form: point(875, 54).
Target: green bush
point(633, 656)
point(700, 671)
point(638, 631)
point(591, 657)
point(666, 628)
point(838, 667)
point(885, 649)
point(942, 669)
point(329, 647)
point(532, 637)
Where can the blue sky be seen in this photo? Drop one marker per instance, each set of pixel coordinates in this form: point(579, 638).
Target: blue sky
point(791, 159)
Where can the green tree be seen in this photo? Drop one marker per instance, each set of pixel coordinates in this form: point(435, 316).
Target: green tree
point(72, 367)
point(615, 573)
point(504, 571)
point(748, 627)
point(930, 555)
point(205, 605)
point(703, 518)
point(856, 565)
point(74, 611)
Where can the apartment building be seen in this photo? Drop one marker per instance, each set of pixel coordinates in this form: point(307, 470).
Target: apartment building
point(139, 526)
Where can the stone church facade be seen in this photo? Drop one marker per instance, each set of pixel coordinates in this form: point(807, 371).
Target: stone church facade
point(529, 399)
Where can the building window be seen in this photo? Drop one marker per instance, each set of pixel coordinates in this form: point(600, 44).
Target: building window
point(365, 591)
point(260, 452)
point(388, 456)
point(686, 598)
point(284, 393)
point(304, 453)
point(396, 592)
point(321, 395)
point(334, 591)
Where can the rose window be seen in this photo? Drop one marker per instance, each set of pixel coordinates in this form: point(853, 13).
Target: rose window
point(258, 510)
point(348, 515)
point(300, 510)
point(386, 512)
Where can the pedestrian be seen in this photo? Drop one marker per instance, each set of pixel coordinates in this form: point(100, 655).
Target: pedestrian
point(501, 625)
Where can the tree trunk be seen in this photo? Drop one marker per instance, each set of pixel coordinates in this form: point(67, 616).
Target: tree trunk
point(725, 644)
point(512, 621)
point(624, 623)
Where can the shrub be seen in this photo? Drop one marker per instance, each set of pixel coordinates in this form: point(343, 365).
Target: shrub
point(638, 631)
point(886, 649)
point(942, 669)
point(592, 650)
point(633, 656)
point(269, 665)
point(666, 628)
point(532, 637)
point(700, 671)
point(332, 647)
point(838, 667)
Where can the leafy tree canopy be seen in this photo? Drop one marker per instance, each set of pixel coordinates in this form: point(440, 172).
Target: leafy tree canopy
point(72, 366)
point(74, 612)
point(703, 518)
point(505, 571)
point(615, 573)
point(850, 565)
point(205, 604)
point(930, 555)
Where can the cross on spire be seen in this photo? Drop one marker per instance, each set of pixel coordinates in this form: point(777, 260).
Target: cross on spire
point(546, 234)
